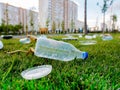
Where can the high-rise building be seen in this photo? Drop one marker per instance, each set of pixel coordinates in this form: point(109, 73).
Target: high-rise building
point(70, 14)
point(58, 11)
point(10, 14)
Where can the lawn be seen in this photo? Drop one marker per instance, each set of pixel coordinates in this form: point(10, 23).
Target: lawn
point(101, 71)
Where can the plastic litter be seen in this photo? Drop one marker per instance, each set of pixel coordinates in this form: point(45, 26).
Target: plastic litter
point(7, 36)
point(80, 36)
point(43, 36)
point(94, 36)
point(101, 35)
point(88, 37)
point(70, 38)
point(36, 72)
point(25, 41)
point(107, 37)
point(57, 50)
point(1, 45)
point(90, 42)
point(32, 38)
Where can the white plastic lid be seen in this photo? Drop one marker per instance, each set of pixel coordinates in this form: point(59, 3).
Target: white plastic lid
point(36, 72)
point(1, 45)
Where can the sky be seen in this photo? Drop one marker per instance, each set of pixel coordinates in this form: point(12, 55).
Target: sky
point(94, 15)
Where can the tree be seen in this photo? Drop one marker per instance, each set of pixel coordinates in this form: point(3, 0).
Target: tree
point(85, 17)
point(106, 5)
point(53, 26)
point(7, 18)
point(47, 22)
point(114, 19)
point(26, 29)
point(59, 25)
point(72, 24)
point(31, 13)
point(63, 26)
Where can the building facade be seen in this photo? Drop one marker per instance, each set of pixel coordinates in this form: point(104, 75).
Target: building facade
point(59, 11)
point(16, 15)
point(70, 14)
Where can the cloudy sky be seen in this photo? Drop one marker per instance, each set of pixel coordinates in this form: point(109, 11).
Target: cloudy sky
point(94, 11)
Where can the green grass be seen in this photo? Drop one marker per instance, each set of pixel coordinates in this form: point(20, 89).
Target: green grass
point(101, 71)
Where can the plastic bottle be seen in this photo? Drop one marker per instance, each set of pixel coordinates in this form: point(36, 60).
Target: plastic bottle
point(80, 36)
point(94, 36)
point(1, 45)
point(57, 50)
point(88, 37)
point(69, 37)
point(107, 37)
point(25, 41)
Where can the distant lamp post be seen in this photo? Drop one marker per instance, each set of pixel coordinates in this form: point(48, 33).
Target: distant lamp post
point(106, 5)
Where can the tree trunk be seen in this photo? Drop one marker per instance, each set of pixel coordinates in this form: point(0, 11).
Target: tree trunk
point(103, 23)
point(85, 18)
point(113, 26)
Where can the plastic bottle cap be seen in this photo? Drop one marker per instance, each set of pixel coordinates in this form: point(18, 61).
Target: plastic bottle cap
point(85, 55)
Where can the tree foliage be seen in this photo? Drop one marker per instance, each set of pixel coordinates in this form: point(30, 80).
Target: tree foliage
point(63, 25)
point(72, 24)
point(14, 29)
point(106, 5)
point(114, 19)
point(47, 22)
point(31, 14)
point(104, 8)
point(53, 26)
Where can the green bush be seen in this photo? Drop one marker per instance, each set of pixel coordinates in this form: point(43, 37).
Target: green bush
point(10, 29)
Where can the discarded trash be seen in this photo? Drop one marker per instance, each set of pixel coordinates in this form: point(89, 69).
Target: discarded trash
point(101, 35)
point(43, 36)
point(88, 37)
point(32, 38)
point(107, 37)
point(6, 36)
point(80, 36)
point(90, 42)
point(25, 41)
point(1, 45)
point(57, 50)
point(36, 72)
point(70, 38)
point(94, 36)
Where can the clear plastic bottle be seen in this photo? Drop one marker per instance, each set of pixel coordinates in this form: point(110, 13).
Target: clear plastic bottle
point(25, 40)
point(57, 50)
point(88, 37)
point(107, 37)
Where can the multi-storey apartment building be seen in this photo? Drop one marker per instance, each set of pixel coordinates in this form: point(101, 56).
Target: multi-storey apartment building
point(70, 14)
point(52, 10)
point(58, 11)
point(16, 15)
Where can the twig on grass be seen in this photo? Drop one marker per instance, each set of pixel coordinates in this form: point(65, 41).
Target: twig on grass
point(31, 50)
